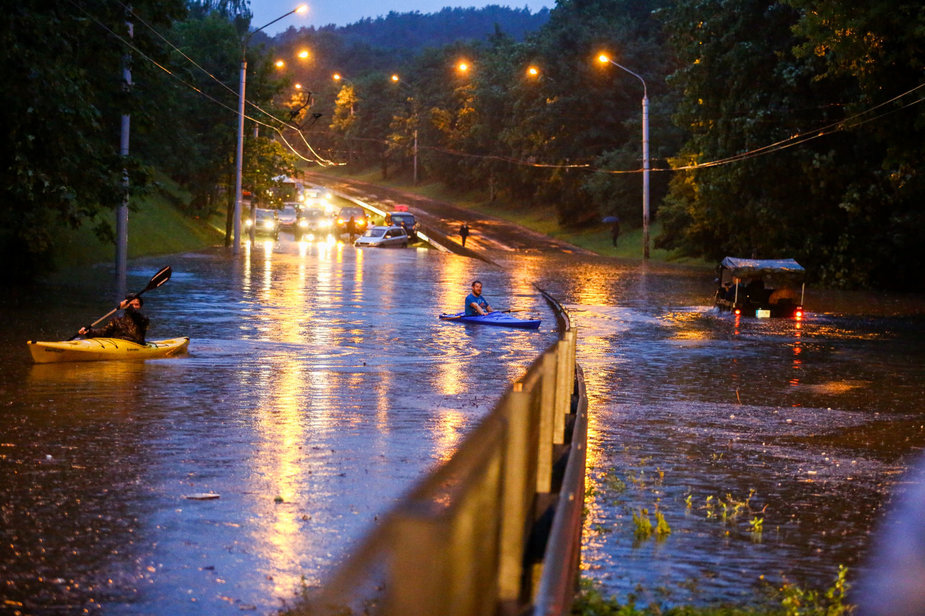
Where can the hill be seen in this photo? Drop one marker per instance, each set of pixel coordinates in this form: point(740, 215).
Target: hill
point(411, 32)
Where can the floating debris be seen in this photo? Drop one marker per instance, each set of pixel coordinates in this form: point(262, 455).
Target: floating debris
point(202, 496)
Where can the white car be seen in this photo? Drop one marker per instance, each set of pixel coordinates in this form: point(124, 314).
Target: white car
point(384, 237)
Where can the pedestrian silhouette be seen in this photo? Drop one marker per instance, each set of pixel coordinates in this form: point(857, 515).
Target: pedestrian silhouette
point(352, 228)
point(463, 232)
point(615, 231)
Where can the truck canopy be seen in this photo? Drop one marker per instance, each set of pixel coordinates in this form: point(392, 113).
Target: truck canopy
point(763, 268)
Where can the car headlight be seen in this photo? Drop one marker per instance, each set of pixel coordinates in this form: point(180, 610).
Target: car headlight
point(324, 224)
point(268, 224)
point(303, 223)
point(248, 223)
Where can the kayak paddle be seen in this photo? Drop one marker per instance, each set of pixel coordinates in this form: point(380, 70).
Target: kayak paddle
point(156, 280)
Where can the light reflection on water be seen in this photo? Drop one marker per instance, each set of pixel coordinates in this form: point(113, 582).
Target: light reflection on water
point(319, 385)
point(320, 375)
point(690, 410)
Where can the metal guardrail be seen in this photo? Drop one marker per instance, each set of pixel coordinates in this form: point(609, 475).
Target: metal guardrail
point(497, 528)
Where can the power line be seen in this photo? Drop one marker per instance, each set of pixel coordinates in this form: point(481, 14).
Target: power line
point(845, 124)
point(191, 86)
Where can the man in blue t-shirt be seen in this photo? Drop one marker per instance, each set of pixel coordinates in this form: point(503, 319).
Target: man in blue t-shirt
point(475, 303)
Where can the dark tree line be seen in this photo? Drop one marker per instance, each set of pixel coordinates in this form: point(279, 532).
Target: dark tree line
point(847, 204)
point(833, 88)
point(60, 109)
point(64, 95)
point(836, 87)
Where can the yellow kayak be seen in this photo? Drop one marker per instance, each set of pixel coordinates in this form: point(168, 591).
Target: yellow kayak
point(97, 349)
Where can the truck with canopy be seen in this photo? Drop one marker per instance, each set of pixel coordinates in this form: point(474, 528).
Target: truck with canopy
point(760, 287)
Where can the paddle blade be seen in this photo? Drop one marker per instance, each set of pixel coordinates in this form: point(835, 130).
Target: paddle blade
point(159, 278)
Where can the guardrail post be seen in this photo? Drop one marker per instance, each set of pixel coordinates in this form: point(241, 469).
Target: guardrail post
point(421, 563)
point(516, 497)
point(547, 423)
point(564, 385)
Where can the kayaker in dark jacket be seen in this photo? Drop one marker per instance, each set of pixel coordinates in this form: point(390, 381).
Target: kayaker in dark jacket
point(475, 303)
point(132, 325)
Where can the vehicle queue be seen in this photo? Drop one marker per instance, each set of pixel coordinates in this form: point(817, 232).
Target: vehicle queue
point(310, 214)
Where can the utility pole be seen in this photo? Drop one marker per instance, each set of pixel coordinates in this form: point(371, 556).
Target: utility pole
point(122, 209)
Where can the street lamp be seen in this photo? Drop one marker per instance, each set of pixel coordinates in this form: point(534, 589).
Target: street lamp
point(239, 154)
point(397, 80)
point(604, 59)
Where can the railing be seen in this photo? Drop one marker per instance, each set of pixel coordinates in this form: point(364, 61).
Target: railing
point(497, 528)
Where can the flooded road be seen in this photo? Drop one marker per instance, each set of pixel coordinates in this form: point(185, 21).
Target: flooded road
point(769, 447)
point(320, 385)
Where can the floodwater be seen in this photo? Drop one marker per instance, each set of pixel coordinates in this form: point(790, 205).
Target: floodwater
point(770, 447)
point(320, 386)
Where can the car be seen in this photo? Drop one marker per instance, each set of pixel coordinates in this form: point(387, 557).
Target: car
point(405, 220)
point(383, 237)
point(359, 216)
point(288, 217)
point(311, 197)
point(314, 222)
point(264, 223)
point(325, 192)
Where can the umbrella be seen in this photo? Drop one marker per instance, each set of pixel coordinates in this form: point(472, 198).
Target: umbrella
point(610, 219)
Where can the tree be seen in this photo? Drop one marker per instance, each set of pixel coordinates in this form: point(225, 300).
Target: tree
point(60, 110)
point(755, 74)
point(574, 113)
point(871, 54)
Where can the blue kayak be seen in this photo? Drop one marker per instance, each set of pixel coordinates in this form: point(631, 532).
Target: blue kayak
point(501, 319)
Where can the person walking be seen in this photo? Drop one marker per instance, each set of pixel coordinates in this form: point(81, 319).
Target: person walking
point(464, 232)
point(352, 228)
point(615, 231)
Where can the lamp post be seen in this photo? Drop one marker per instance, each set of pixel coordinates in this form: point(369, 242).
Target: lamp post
point(239, 154)
point(604, 59)
point(395, 79)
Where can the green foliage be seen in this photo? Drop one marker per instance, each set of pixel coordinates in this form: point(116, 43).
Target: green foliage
point(63, 102)
point(754, 74)
point(662, 529)
point(642, 524)
point(724, 79)
point(60, 108)
point(787, 600)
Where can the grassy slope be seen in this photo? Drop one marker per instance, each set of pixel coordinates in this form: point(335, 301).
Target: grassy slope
point(538, 218)
point(156, 227)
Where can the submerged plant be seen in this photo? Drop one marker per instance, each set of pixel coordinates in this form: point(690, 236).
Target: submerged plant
point(661, 525)
point(642, 524)
point(788, 600)
point(613, 481)
point(798, 601)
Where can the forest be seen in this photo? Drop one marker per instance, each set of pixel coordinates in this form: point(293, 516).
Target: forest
point(776, 129)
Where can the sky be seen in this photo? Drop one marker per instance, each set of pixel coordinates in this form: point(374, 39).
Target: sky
point(343, 12)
